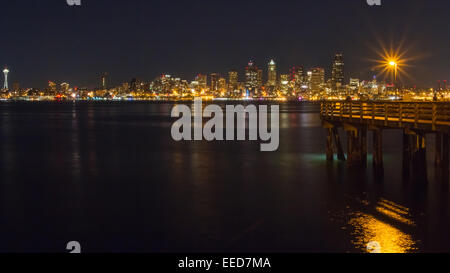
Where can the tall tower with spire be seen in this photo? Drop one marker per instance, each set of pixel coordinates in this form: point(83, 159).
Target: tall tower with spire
point(6, 71)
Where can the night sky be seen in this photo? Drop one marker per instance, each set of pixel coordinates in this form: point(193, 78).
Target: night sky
point(49, 40)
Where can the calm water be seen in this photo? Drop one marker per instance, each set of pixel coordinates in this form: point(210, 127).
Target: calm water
point(110, 176)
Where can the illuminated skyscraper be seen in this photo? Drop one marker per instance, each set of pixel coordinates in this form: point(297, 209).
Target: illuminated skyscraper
point(272, 73)
point(52, 88)
point(104, 80)
point(354, 85)
point(222, 85)
point(337, 73)
point(442, 86)
point(233, 79)
point(317, 79)
point(65, 87)
point(297, 75)
point(202, 80)
point(251, 76)
point(6, 71)
point(284, 81)
point(308, 78)
point(284, 77)
point(214, 81)
point(259, 79)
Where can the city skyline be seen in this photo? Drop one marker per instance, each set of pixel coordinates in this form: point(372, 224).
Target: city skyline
point(268, 75)
point(144, 40)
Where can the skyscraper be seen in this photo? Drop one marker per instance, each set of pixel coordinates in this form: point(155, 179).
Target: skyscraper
point(251, 76)
point(52, 88)
point(317, 79)
point(354, 85)
point(222, 85)
point(442, 85)
point(284, 83)
point(297, 75)
point(104, 80)
point(259, 79)
point(337, 73)
point(201, 79)
point(233, 80)
point(214, 81)
point(65, 87)
point(272, 74)
point(6, 71)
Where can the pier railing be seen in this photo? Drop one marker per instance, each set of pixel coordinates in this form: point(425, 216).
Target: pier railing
point(428, 115)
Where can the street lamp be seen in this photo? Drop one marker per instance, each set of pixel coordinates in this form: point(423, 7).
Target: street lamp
point(394, 65)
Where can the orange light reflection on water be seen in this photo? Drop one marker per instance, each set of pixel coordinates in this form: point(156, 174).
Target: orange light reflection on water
point(367, 228)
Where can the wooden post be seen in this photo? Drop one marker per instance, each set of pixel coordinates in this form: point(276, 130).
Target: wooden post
point(352, 155)
point(363, 145)
point(378, 148)
point(434, 116)
point(361, 112)
point(438, 153)
point(400, 117)
point(337, 142)
point(445, 157)
point(330, 153)
point(373, 113)
point(354, 145)
point(386, 115)
point(351, 110)
point(406, 153)
point(423, 155)
point(416, 115)
point(420, 157)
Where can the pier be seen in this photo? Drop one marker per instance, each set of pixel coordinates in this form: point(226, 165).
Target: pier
point(415, 119)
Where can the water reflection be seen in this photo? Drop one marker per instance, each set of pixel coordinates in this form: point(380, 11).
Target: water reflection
point(111, 175)
point(381, 227)
point(394, 211)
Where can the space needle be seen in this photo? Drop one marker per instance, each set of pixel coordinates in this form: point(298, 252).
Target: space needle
point(6, 71)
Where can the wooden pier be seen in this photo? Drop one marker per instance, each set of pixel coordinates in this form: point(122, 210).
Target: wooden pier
point(415, 119)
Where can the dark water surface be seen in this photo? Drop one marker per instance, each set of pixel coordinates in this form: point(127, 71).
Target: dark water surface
point(110, 176)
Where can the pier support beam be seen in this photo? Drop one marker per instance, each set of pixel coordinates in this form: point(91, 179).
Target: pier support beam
point(354, 146)
point(438, 150)
point(445, 157)
point(330, 153)
point(407, 152)
point(353, 158)
point(337, 142)
point(420, 156)
point(378, 148)
point(363, 140)
point(333, 142)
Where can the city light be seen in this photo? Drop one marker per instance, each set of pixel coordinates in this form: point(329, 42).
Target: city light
point(309, 85)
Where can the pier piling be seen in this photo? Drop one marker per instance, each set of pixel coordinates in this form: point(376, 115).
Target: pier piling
point(378, 148)
point(416, 119)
